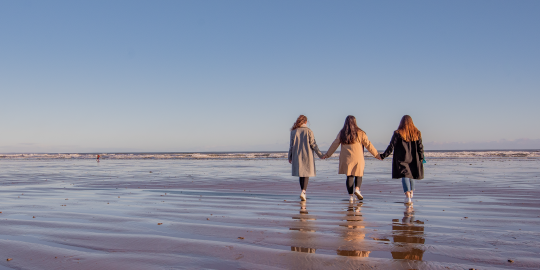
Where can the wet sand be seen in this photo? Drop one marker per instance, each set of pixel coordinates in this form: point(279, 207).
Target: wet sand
point(246, 214)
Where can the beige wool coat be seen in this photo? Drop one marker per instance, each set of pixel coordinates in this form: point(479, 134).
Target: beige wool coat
point(301, 152)
point(351, 158)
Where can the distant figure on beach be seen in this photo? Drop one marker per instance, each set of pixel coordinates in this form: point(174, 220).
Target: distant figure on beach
point(351, 159)
point(97, 158)
point(406, 143)
point(301, 153)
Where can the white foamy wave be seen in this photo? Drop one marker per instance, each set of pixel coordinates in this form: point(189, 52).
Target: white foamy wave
point(258, 155)
point(262, 155)
point(484, 154)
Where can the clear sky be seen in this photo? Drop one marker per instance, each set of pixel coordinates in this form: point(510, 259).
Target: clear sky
point(88, 76)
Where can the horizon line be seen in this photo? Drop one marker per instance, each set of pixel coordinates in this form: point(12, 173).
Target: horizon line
point(218, 152)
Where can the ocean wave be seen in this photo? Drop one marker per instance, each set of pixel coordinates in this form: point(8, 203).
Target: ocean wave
point(258, 155)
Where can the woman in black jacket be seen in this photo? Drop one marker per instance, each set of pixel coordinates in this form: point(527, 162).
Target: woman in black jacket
point(406, 143)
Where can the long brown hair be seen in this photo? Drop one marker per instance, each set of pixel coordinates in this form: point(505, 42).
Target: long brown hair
point(408, 130)
point(302, 119)
point(349, 132)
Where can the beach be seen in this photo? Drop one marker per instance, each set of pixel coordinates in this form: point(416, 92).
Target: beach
point(242, 211)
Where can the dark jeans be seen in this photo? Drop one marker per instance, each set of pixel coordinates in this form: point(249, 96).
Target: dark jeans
point(353, 181)
point(303, 182)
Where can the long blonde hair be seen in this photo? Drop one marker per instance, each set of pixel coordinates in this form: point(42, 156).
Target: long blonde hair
point(408, 130)
point(302, 119)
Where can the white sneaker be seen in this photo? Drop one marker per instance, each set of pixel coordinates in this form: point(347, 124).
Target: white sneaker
point(351, 199)
point(412, 194)
point(358, 195)
point(407, 201)
point(303, 196)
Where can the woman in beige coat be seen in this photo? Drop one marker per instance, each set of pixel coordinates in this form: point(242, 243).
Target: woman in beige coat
point(351, 159)
point(301, 153)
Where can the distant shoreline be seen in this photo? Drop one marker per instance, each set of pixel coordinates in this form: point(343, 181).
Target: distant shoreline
point(268, 155)
point(243, 152)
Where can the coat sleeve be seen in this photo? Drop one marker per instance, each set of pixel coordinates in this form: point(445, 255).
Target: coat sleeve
point(333, 147)
point(366, 143)
point(313, 145)
point(290, 147)
point(420, 149)
point(390, 147)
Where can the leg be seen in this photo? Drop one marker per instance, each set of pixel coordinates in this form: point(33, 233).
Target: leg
point(406, 182)
point(412, 185)
point(350, 184)
point(358, 182)
point(304, 183)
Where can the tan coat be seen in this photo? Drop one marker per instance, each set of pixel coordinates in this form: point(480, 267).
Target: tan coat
point(301, 152)
point(351, 158)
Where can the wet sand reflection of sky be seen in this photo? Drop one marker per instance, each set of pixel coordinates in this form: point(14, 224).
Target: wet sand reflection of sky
point(119, 204)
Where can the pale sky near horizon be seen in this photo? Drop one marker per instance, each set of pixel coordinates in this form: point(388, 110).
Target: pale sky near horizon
point(168, 76)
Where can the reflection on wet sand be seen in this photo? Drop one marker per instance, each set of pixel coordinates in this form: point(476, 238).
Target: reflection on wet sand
point(304, 214)
point(306, 227)
point(354, 234)
point(303, 249)
point(353, 216)
point(408, 236)
point(301, 230)
point(353, 253)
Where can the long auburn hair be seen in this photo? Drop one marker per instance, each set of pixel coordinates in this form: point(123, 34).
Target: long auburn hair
point(302, 119)
point(408, 130)
point(349, 132)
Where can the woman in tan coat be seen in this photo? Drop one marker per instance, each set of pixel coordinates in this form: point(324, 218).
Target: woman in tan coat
point(301, 151)
point(351, 159)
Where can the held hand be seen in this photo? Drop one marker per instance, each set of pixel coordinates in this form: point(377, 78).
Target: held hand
point(379, 157)
point(290, 161)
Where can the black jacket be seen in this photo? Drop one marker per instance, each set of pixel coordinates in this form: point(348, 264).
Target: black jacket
point(408, 156)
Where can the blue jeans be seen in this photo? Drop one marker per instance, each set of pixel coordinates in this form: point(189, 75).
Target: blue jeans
point(408, 184)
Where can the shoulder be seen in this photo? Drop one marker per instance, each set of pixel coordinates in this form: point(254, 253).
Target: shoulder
point(304, 130)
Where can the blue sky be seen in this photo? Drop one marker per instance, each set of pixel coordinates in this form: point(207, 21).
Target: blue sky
point(105, 76)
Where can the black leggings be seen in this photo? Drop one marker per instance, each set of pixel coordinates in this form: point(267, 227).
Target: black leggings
point(303, 182)
point(351, 184)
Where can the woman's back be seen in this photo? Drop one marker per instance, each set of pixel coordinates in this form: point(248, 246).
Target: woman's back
point(408, 156)
point(300, 139)
point(301, 150)
point(351, 157)
point(405, 151)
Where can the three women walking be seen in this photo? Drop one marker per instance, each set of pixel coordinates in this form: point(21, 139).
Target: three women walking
point(406, 143)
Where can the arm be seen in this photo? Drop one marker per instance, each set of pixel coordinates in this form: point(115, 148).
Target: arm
point(333, 147)
point(313, 145)
point(390, 147)
point(290, 148)
point(420, 148)
point(366, 143)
